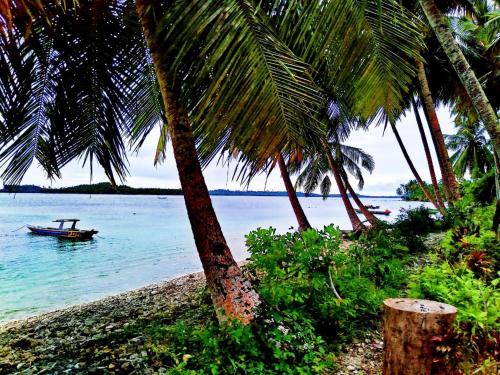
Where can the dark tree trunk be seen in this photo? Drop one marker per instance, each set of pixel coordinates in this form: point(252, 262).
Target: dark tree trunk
point(369, 216)
point(232, 294)
point(420, 182)
point(292, 195)
point(428, 156)
point(353, 217)
point(449, 181)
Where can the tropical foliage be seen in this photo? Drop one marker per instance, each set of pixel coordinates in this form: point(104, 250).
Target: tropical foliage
point(267, 82)
point(472, 152)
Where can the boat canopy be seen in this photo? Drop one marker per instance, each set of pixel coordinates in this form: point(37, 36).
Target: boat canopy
point(62, 221)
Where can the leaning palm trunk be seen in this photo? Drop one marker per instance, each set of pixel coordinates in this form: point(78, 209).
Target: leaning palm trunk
point(369, 216)
point(353, 217)
point(232, 294)
point(420, 182)
point(292, 196)
point(449, 181)
point(428, 156)
point(471, 84)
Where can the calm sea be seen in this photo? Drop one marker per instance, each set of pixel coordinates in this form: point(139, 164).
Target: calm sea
point(141, 240)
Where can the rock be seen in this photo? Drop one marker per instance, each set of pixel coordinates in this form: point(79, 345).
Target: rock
point(125, 366)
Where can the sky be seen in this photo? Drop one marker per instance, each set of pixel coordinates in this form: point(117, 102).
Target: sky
point(390, 171)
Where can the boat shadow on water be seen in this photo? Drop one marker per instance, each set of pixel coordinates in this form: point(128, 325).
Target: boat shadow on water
point(66, 244)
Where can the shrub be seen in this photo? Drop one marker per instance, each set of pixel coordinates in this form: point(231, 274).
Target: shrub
point(338, 290)
point(476, 335)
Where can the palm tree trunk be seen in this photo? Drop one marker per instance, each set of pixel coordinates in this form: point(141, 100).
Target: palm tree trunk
point(232, 294)
point(449, 181)
point(420, 182)
point(471, 84)
point(353, 217)
point(292, 195)
point(428, 156)
point(369, 216)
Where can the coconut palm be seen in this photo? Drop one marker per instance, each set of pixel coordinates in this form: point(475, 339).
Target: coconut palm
point(428, 156)
point(482, 105)
point(360, 69)
point(292, 195)
point(450, 184)
point(314, 172)
point(472, 152)
point(277, 84)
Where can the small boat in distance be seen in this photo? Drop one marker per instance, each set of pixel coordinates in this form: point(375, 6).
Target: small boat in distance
point(375, 212)
point(371, 207)
point(61, 232)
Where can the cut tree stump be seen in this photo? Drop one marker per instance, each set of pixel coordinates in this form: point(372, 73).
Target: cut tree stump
point(409, 325)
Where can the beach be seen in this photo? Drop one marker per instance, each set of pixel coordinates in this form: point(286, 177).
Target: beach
point(91, 337)
point(99, 337)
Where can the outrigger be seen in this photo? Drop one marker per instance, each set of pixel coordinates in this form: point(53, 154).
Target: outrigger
point(61, 232)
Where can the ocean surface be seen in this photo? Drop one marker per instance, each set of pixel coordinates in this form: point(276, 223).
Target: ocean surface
point(141, 240)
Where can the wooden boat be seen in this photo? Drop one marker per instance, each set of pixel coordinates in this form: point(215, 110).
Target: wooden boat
point(375, 212)
point(372, 207)
point(61, 232)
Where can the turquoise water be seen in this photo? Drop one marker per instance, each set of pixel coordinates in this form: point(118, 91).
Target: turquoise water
point(141, 240)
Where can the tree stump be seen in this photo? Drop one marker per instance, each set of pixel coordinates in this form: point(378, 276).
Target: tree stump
point(409, 325)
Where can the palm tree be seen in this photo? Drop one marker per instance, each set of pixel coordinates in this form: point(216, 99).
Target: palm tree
point(471, 149)
point(428, 157)
point(359, 69)
point(57, 135)
point(292, 195)
point(419, 180)
point(450, 184)
point(313, 172)
point(441, 28)
point(204, 55)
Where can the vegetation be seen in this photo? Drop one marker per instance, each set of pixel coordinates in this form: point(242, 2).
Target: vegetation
point(320, 295)
point(99, 188)
point(85, 80)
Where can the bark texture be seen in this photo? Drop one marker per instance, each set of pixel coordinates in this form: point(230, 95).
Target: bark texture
point(451, 185)
point(420, 182)
point(353, 217)
point(292, 196)
point(409, 326)
point(232, 294)
point(428, 156)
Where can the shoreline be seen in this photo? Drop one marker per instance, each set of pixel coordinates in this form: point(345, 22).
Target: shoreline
point(112, 295)
point(72, 339)
point(163, 285)
point(110, 335)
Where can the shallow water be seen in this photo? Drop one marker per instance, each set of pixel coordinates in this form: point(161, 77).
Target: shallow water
point(141, 240)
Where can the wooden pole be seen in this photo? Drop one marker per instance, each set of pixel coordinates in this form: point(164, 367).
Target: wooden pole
point(409, 325)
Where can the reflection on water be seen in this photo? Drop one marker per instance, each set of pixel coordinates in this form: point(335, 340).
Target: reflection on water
point(75, 245)
point(141, 240)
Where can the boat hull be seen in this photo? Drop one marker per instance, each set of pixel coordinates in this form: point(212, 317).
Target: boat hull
point(375, 212)
point(77, 234)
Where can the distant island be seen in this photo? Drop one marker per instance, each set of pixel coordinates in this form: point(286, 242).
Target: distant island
point(107, 188)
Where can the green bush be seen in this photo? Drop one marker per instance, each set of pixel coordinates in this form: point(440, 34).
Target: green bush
point(339, 290)
point(478, 302)
point(472, 345)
